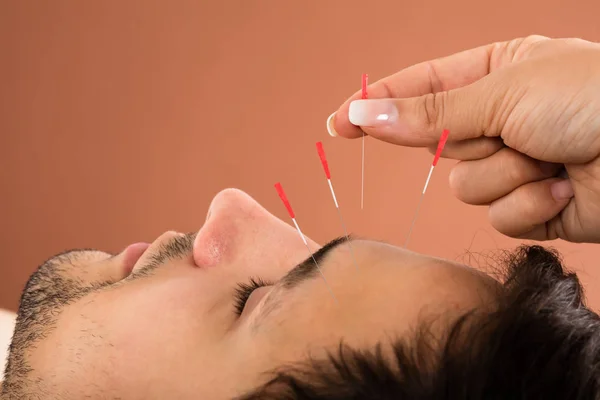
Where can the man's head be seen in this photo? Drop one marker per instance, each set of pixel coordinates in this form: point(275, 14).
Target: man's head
point(239, 309)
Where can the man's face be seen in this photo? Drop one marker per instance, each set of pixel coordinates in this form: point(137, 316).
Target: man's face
point(161, 321)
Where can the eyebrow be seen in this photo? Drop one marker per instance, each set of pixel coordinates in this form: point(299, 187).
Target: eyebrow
point(306, 270)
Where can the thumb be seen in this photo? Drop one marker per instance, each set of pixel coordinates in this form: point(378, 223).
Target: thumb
point(468, 112)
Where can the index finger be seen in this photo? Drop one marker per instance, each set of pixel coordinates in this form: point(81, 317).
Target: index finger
point(442, 74)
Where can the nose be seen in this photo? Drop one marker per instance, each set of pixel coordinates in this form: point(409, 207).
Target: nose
point(239, 231)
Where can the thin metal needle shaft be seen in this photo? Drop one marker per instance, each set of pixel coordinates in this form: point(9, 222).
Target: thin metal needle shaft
point(321, 272)
point(313, 258)
point(362, 183)
point(288, 206)
point(323, 158)
point(412, 225)
point(364, 95)
point(347, 238)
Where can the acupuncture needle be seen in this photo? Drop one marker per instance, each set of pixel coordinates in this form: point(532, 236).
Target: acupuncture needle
point(288, 206)
point(364, 95)
point(436, 158)
point(323, 158)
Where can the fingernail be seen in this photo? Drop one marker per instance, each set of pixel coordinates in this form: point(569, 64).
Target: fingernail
point(330, 127)
point(562, 190)
point(376, 112)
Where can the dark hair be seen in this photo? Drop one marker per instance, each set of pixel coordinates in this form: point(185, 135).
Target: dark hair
point(539, 342)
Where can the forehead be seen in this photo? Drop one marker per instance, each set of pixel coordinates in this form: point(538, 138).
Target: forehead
point(420, 278)
point(392, 291)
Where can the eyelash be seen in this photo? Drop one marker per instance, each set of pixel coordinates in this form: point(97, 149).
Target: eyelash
point(244, 290)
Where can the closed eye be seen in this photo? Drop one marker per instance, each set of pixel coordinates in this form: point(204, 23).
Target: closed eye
point(244, 290)
point(300, 273)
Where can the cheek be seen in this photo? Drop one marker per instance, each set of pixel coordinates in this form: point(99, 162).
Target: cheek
point(146, 336)
point(145, 332)
point(164, 309)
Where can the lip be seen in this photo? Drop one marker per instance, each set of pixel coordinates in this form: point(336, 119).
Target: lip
point(132, 254)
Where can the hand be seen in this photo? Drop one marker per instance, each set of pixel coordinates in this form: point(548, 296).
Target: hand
point(520, 114)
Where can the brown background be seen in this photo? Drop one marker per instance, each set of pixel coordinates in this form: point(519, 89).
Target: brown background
point(120, 119)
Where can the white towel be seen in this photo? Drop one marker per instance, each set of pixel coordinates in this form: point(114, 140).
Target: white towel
point(7, 325)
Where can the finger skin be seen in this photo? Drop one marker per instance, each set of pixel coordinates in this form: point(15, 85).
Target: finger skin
point(434, 76)
point(471, 149)
point(483, 181)
point(525, 210)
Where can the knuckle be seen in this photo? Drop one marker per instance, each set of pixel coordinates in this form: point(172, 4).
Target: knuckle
point(535, 38)
point(433, 110)
point(388, 89)
point(517, 49)
point(514, 168)
point(526, 45)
